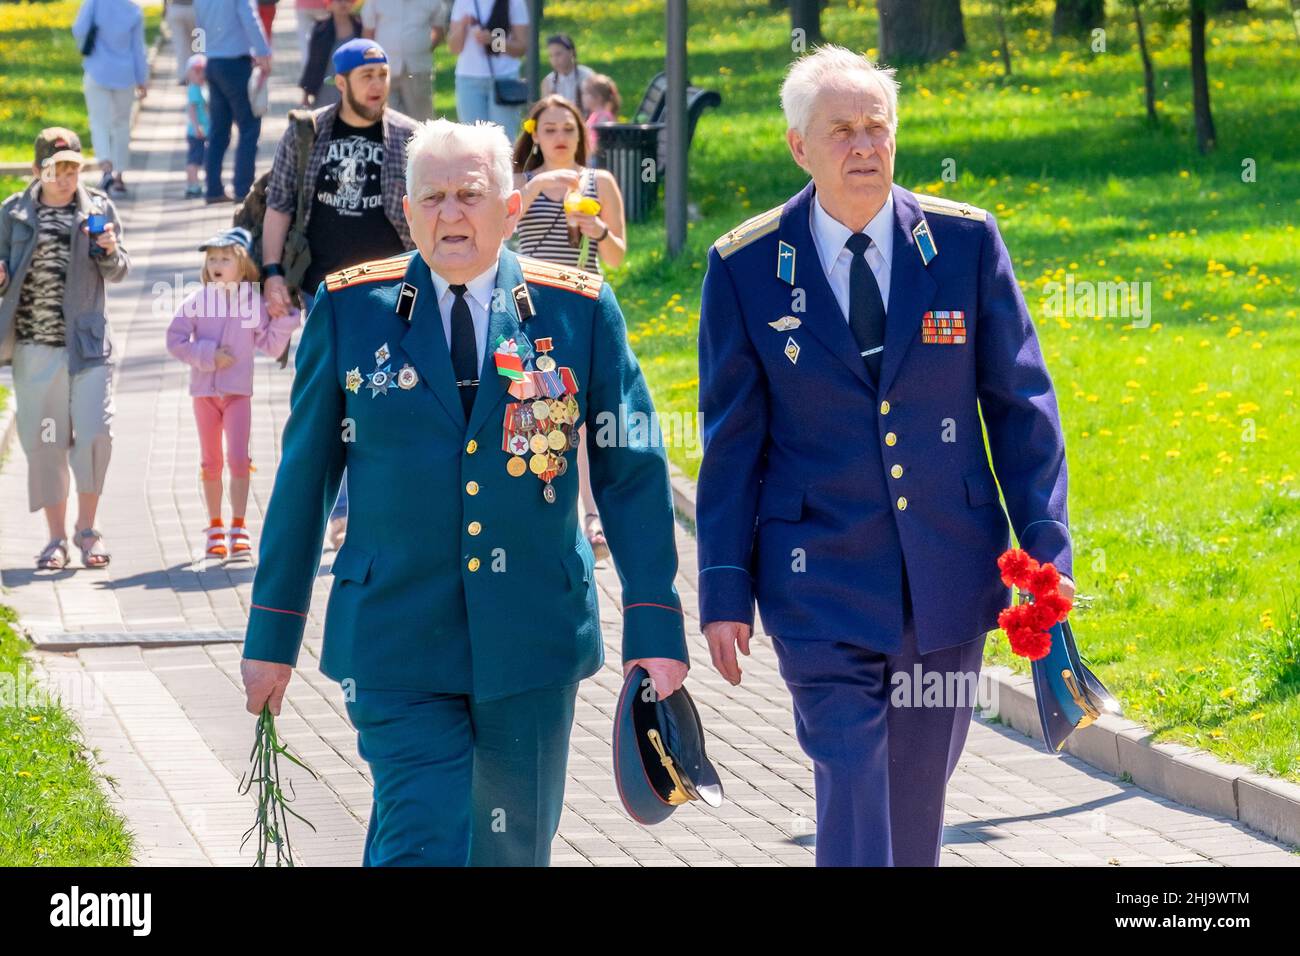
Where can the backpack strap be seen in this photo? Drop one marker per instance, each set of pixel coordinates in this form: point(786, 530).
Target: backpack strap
point(305, 121)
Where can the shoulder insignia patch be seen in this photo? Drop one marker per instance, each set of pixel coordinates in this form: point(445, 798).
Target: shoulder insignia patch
point(540, 272)
point(755, 227)
point(947, 207)
point(376, 270)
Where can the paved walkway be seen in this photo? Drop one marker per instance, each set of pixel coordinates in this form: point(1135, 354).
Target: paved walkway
point(168, 721)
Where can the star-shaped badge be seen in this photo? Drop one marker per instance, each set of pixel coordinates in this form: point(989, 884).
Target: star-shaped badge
point(353, 381)
point(379, 380)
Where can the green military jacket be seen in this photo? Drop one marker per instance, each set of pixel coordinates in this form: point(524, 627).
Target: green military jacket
point(457, 575)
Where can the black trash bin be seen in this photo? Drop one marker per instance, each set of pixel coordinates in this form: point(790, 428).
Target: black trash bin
point(630, 151)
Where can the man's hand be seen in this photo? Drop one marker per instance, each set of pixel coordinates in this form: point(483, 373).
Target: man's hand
point(107, 240)
point(265, 63)
point(724, 637)
point(1067, 587)
point(4, 275)
point(666, 674)
point(278, 302)
point(264, 683)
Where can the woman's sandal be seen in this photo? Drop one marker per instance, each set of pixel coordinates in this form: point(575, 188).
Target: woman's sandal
point(239, 543)
point(46, 560)
point(216, 541)
point(599, 546)
point(90, 544)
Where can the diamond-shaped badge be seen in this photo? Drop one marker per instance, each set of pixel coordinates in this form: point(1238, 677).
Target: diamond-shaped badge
point(792, 350)
point(382, 354)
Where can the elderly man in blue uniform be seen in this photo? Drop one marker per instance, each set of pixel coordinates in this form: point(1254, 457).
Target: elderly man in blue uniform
point(849, 341)
point(450, 383)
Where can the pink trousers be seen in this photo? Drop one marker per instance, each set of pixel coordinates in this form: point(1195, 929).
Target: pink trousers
point(233, 415)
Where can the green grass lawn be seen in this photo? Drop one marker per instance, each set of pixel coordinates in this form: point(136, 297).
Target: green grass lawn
point(1182, 437)
point(52, 810)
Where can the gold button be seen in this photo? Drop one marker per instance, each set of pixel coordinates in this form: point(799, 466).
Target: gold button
point(475, 527)
point(471, 447)
point(471, 487)
point(902, 504)
point(891, 439)
point(473, 564)
point(884, 408)
point(897, 471)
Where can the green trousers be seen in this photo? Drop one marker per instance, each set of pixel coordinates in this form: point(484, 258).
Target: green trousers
point(460, 782)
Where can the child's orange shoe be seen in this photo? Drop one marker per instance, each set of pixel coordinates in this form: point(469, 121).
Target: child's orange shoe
point(216, 541)
point(239, 541)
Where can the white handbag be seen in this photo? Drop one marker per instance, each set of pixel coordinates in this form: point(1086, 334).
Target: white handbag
point(259, 92)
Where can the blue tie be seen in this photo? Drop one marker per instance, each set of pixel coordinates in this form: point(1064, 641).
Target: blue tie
point(866, 307)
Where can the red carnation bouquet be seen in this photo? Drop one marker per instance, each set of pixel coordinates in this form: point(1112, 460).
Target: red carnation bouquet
point(1028, 624)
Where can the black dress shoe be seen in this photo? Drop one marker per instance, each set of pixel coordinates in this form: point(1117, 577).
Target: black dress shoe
point(217, 200)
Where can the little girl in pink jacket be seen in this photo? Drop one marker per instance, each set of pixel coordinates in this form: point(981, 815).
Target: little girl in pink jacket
point(215, 331)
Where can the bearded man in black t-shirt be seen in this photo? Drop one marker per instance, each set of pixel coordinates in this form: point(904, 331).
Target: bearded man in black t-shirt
point(356, 177)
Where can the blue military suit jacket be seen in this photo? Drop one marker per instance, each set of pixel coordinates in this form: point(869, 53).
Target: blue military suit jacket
point(818, 482)
point(456, 577)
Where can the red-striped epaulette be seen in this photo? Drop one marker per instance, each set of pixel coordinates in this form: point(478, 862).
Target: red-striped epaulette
point(394, 267)
point(541, 272)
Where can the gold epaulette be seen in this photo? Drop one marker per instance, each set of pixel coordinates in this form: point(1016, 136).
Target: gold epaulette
point(394, 267)
point(947, 207)
point(755, 227)
point(540, 272)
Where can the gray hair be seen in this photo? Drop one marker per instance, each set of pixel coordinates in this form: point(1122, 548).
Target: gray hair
point(442, 137)
point(830, 65)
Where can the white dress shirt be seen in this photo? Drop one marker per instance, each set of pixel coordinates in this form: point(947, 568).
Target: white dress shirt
point(830, 235)
point(478, 294)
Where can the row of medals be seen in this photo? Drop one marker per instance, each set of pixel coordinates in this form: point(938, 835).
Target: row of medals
point(541, 432)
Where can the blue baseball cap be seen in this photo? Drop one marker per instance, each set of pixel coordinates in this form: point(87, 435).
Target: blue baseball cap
point(358, 52)
point(236, 236)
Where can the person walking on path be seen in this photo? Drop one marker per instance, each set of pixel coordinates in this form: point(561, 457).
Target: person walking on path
point(317, 79)
point(856, 343)
point(409, 30)
point(54, 332)
point(197, 123)
point(179, 15)
point(235, 44)
point(308, 13)
point(550, 159)
point(488, 38)
point(215, 331)
point(355, 178)
point(115, 72)
point(466, 672)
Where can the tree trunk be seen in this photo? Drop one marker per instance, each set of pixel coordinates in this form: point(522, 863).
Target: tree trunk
point(1077, 17)
point(1148, 71)
point(918, 31)
point(806, 15)
point(1200, 79)
point(1002, 36)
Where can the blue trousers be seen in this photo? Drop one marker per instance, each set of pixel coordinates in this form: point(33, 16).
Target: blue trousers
point(475, 101)
point(460, 782)
point(228, 103)
point(880, 769)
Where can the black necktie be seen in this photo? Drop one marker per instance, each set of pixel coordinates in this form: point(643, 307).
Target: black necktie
point(464, 353)
point(866, 307)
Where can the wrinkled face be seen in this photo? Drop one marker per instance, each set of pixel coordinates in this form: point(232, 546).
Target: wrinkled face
point(848, 146)
point(59, 182)
point(557, 135)
point(365, 89)
point(222, 264)
point(457, 217)
point(560, 56)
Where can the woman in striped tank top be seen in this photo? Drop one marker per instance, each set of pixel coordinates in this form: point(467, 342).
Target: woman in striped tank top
point(550, 162)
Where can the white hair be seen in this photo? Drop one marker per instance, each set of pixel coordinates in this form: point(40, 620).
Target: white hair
point(831, 65)
point(441, 137)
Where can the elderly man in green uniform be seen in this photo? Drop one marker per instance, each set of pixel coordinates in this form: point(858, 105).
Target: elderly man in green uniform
point(451, 384)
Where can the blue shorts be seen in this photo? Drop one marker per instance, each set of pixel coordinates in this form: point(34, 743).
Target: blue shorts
point(195, 150)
